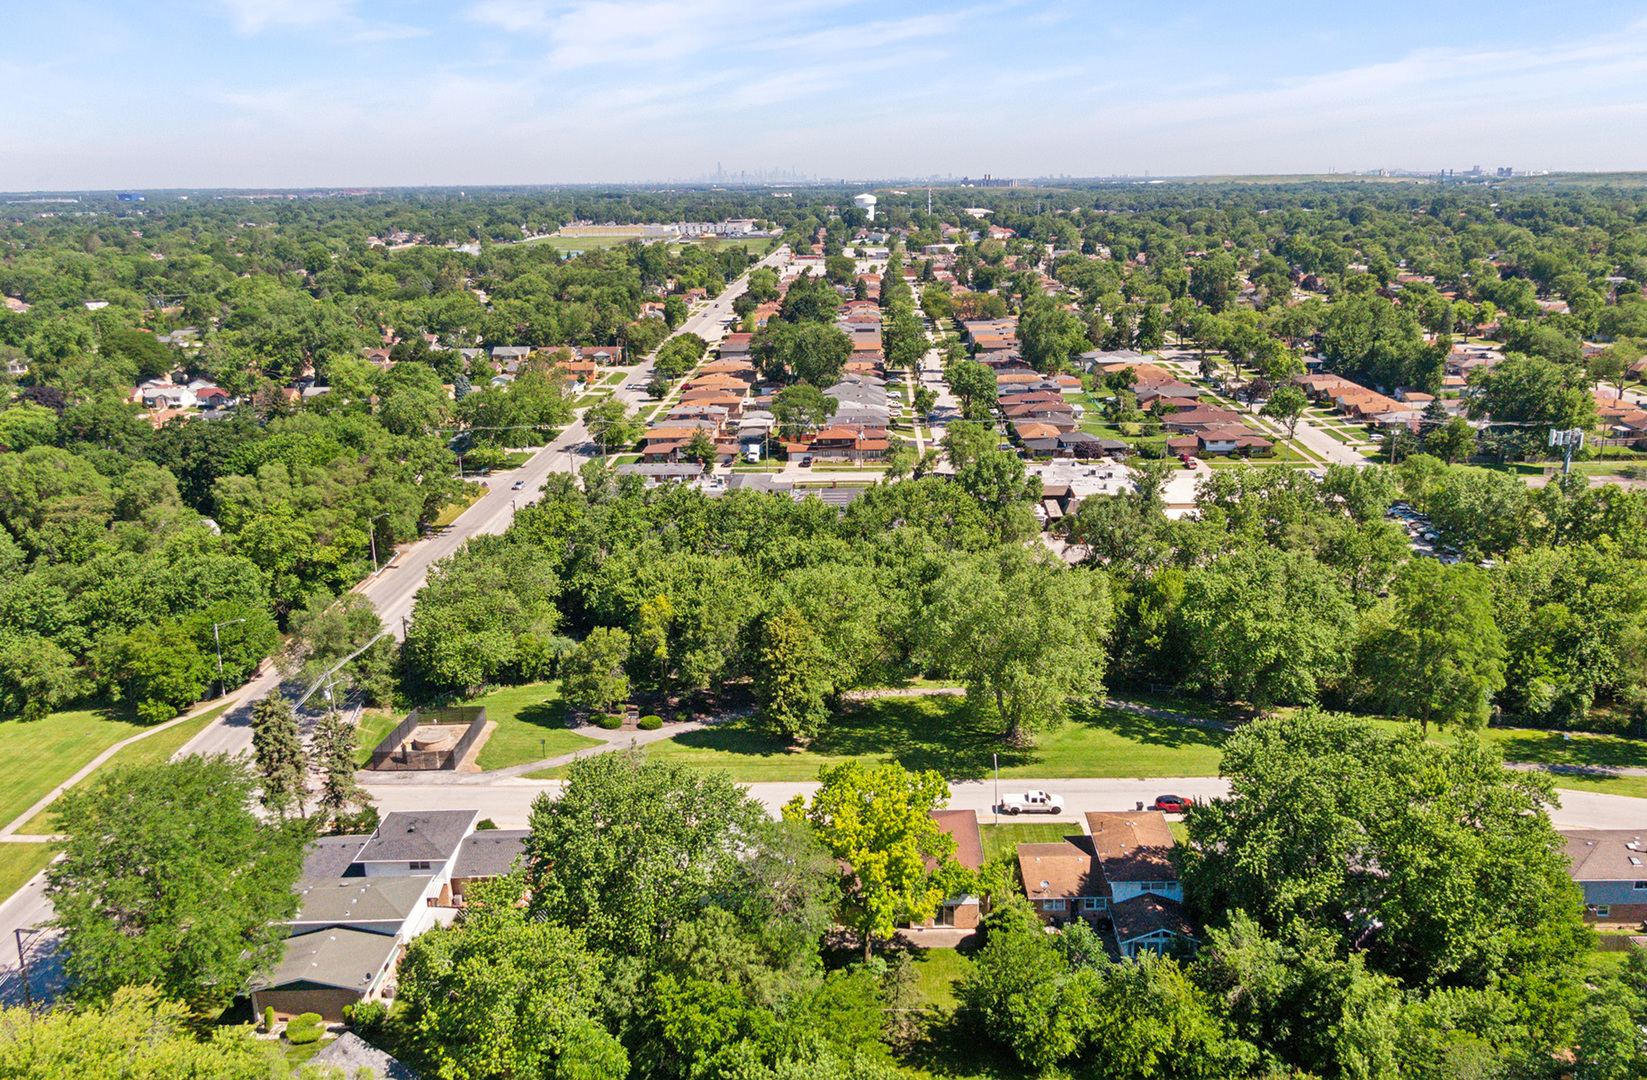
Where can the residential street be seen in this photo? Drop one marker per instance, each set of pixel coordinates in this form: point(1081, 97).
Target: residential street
point(393, 590)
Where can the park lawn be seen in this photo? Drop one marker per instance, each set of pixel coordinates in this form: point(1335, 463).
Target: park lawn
point(1551, 748)
point(1633, 787)
point(157, 747)
point(949, 735)
point(531, 725)
point(20, 862)
point(40, 754)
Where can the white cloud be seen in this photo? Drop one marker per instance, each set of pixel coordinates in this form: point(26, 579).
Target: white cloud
point(252, 16)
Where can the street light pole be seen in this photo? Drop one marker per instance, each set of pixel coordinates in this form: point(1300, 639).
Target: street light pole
point(217, 643)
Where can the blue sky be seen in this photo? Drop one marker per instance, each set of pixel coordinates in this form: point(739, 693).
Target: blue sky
point(266, 93)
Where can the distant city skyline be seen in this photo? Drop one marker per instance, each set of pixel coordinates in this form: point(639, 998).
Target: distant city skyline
point(377, 93)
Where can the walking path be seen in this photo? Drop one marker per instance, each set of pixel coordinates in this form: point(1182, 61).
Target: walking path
point(621, 739)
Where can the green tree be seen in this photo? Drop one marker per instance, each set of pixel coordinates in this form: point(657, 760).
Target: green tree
point(169, 879)
point(877, 819)
point(802, 408)
point(277, 749)
point(161, 669)
point(611, 424)
point(973, 384)
point(701, 449)
point(1452, 442)
point(1268, 627)
point(1023, 990)
point(807, 351)
point(334, 750)
point(501, 994)
point(1334, 825)
point(1049, 335)
point(593, 677)
point(635, 845)
point(1213, 280)
point(790, 676)
point(1440, 656)
point(1286, 404)
point(36, 677)
point(138, 1035)
point(1025, 633)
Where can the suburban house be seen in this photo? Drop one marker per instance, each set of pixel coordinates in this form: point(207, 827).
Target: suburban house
point(485, 855)
point(1610, 865)
point(962, 912)
point(361, 899)
point(1120, 877)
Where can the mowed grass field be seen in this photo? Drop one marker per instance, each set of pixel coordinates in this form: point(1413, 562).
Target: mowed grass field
point(157, 747)
point(37, 755)
point(531, 725)
point(19, 862)
point(949, 735)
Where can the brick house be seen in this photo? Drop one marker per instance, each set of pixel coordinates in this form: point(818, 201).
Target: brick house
point(1610, 865)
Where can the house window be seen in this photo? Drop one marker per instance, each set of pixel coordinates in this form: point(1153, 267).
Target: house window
point(1092, 903)
point(1052, 905)
point(1641, 886)
point(420, 865)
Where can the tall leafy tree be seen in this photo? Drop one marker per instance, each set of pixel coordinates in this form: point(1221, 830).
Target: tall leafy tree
point(169, 879)
point(636, 845)
point(1025, 633)
point(1440, 657)
point(877, 819)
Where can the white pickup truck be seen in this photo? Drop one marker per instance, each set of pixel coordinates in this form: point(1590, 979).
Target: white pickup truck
point(1032, 802)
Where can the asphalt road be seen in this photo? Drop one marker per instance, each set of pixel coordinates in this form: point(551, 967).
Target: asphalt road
point(393, 589)
point(508, 802)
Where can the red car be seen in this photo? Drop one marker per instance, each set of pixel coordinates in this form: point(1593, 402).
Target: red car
point(1172, 804)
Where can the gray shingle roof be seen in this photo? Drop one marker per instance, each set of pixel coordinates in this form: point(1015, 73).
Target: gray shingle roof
point(490, 853)
point(348, 959)
point(418, 836)
point(351, 1053)
point(329, 857)
point(360, 900)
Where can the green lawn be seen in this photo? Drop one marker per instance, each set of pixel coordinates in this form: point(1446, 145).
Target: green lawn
point(1552, 748)
point(36, 756)
point(615, 379)
point(1002, 840)
point(369, 731)
point(531, 725)
point(936, 973)
point(20, 862)
point(454, 510)
point(147, 751)
point(947, 734)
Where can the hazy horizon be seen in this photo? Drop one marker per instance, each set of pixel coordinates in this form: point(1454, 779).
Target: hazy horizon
point(284, 94)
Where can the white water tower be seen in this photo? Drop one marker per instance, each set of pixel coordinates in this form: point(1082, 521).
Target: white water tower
point(866, 203)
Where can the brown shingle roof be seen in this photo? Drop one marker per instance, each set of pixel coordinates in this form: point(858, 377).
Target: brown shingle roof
point(1064, 870)
point(1133, 846)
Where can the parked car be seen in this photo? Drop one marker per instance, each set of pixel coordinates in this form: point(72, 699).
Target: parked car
point(806, 462)
point(1032, 802)
point(1172, 804)
point(517, 485)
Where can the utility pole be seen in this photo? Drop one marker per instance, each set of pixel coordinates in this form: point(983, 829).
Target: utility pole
point(218, 644)
point(372, 535)
point(997, 758)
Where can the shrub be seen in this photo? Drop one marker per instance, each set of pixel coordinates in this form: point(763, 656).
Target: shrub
point(304, 1030)
point(485, 823)
point(366, 1016)
point(609, 721)
point(268, 1018)
point(649, 723)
